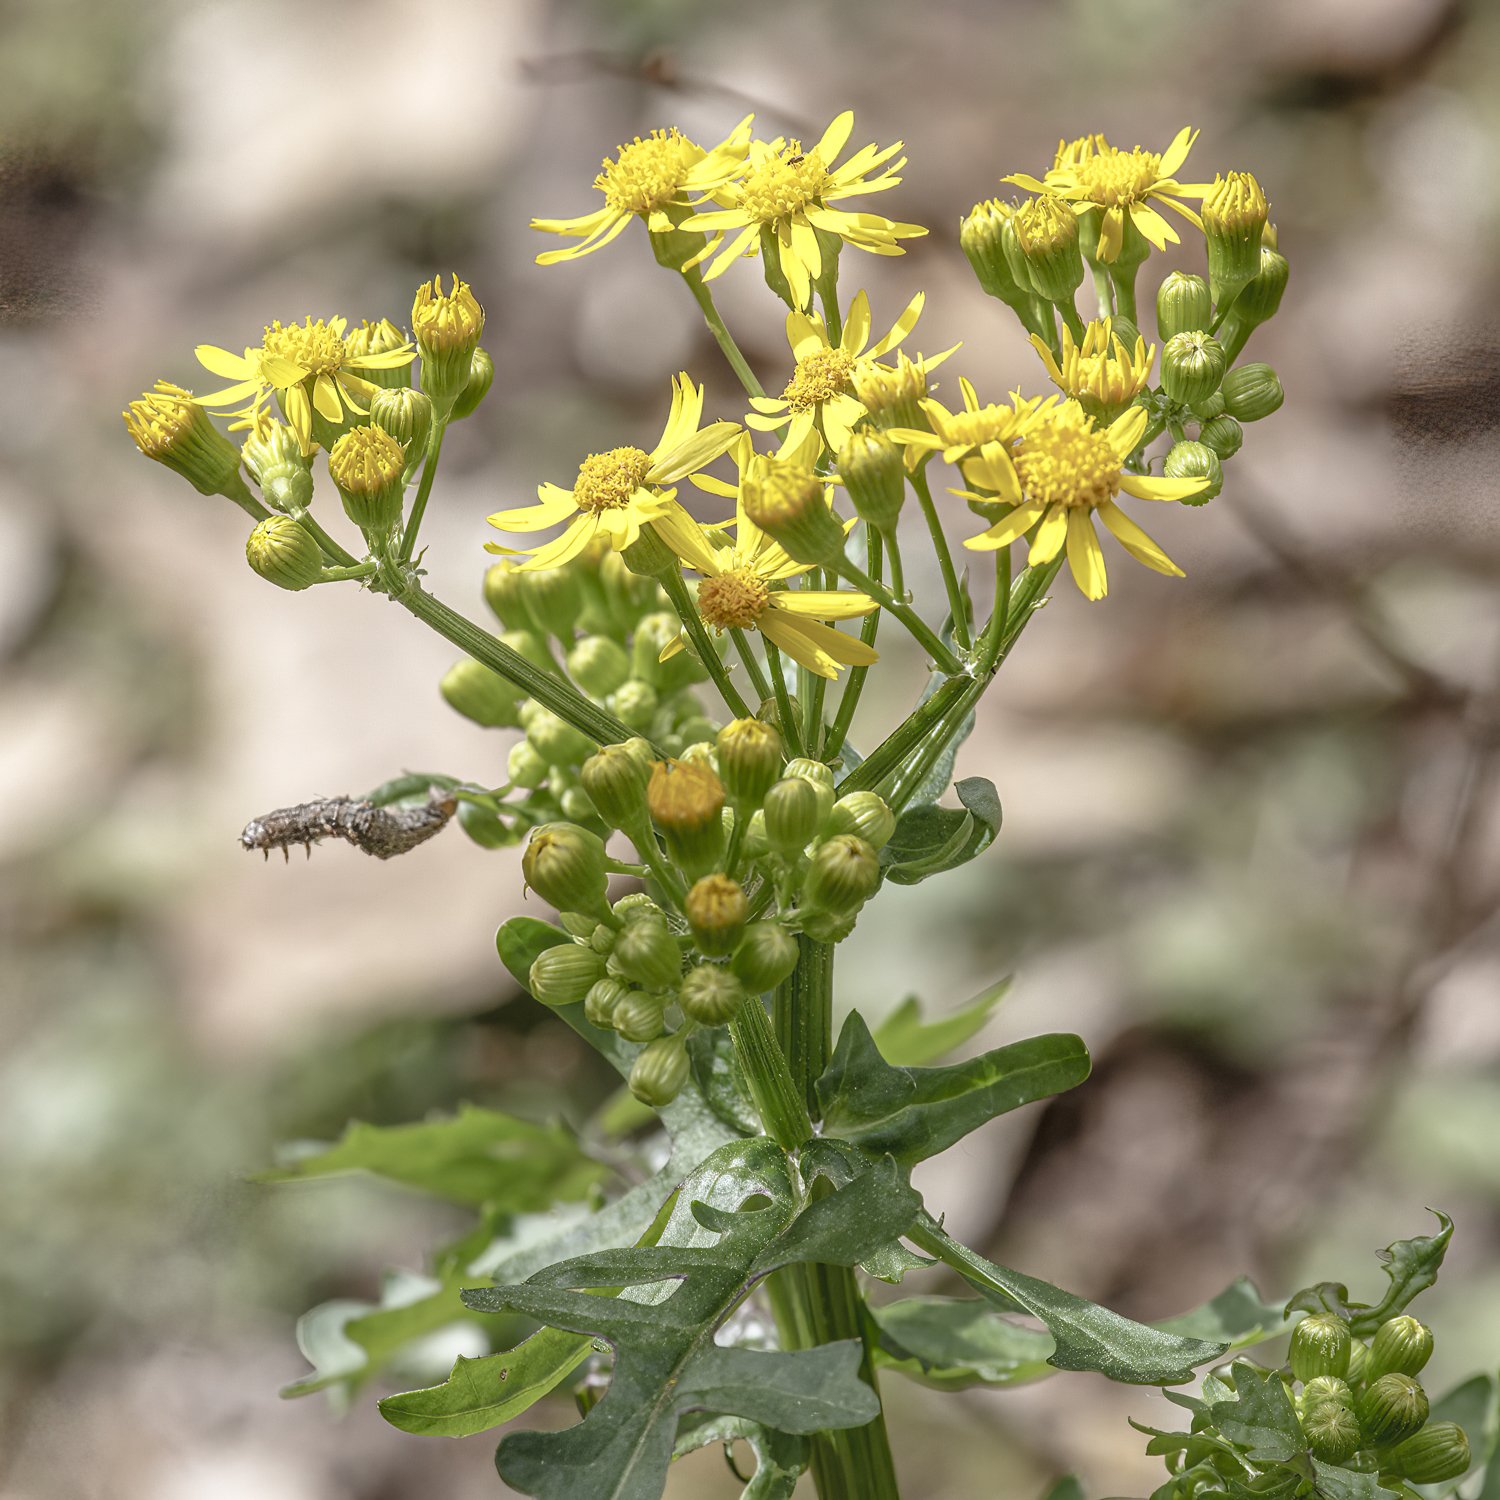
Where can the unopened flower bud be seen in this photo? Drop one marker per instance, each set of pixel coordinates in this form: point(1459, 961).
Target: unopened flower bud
point(577, 806)
point(565, 974)
point(865, 814)
point(892, 394)
point(685, 802)
point(658, 1074)
point(1321, 1388)
point(476, 388)
point(1391, 1409)
point(1190, 460)
point(505, 593)
point(716, 909)
point(1320, 1346)
point(636, 907)
point(767, 954)
point(598, 665)
point(472, 689)
point(653, 633)
point(367, 465)
point(407, 415)
point(1046, 230)
point(710, 995)
point(750, 757)
point(874, 476)
point(981, 237)
point(793, 812)
point(638, 1017)
point(790, 504)
point(565, 865)
point(648, 556)
point(1234, 215)
point(555, 740)
point(1400, 1344)
point(1359, 1362)
point(602, 1000)
point(1192, 366)
point(615, 778)
point(1261, 296)
point(634, 703)
point(578, 924)
point(1222, 434)
point(284, 552)
point(647, 954)
point(1210, 408)
point(843, 872)
point(524, 767)
point(555, 598)
point(1439, 1451)
point(821, 777)
point(170, 427)
point(270, 447)
point(1332, 1432)
point(380, 337)
point(446, 327)
point(1183, 305)
point(1252, 392)
point(701, 735)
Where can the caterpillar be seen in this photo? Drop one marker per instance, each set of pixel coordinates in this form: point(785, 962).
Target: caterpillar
point(380, 831)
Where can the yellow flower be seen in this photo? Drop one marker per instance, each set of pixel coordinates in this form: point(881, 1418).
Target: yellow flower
point(1101, 374)
point(742, 585)
point(618, 492)
point(1065, 470)
point(1093, 175)
point(171, 427)
point(650, 178)
point(311, 369)
point(821, 392)
point(787, 191)
point(975, 438)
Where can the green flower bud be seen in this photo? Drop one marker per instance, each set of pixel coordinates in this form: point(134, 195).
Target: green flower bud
point(658, 1074)
point(555, 740)
point(700, 731)
point(754, 845)
point(648, 556)
point(1223, 435)
point(874, 477)
point(750, 757)
point(472, 689)
point(766, 955)
point(1400, 1344)
point(686, 801)
point(1439, 1451)
point(1260, 297)
point(790, 504)
point(602, 940)
point(1359, 1362)
point(555, 598)
point(890, 394)
point(602, 1001)
point(1321, 1388)
point(170, 427)
point(653, 634)
point(505, 593)
point(407, 415)
point(1206, 411)
point(794, 812)
point(1192, 366)
point(710, 995)
point(639, 1016)
point(627, 595)
point(565, 974)
point(273, 454)
point(368, 465)
point(615, 778)
point(1320, 1346)
point(524, 767)
point(565, 865)
point(1234, 215)
point(1252, 392)
point(1189, 460)
point(577, 806)
point(637, 906)
point(1046, 232)
point(578, 924)
point(647, 954)
point(598, 665)
point(843, 872)
point(981, 237)
point(865, 814)
point(716, 909)
point(634, 703)
point(283, 552)
point(476, 388)
point(1332, 1432)
point(446, 327)
point(1391, 1408)
point(1183, 305)
point(821, 777)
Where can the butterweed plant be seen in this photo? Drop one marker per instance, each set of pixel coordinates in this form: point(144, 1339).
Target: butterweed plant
point(686, 681)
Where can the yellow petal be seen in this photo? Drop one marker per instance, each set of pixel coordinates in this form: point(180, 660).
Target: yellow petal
point(1010, 529)
point(1175, 154)
point(687, 539)
point(699, 450)
point(581, 227)
point(1050, 535)
point(1145, 487)
point(676, 644)
point(224, 364)
point(1153, 226)
point(819, 648)
point(1111, 232)
point(556, 505)
point(805, 333)
point(857, 326)
point(563, 548)
point(1125, 431)
point(1084, 556)
point(805, 246)
point(826, 604)
point(325, 399)
point(835, 138)
point(903, 326)
point(1040, 345)
point(1135, 541)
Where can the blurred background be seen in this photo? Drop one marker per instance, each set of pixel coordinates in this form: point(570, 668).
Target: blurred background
point(1250, 849)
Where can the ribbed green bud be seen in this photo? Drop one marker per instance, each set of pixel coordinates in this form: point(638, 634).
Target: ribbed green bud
point(1359, 1362)
point(1320, 1346)
point(476, 388)
point(790, 504)
point(368, 465)
point(524, 767)
point(577, 806)
point(1252, 392)
point(865, 814)
point(407, 415)
point(1222, 434)
point(505, 593)
point(710, 995)
point(981, 235)
point(1190, 460)
point(284, 552)
point(273, 454)
point(637, 906)
point(750, 758)
point(288, 487)
point(627, 595)
point(603, 1000)
point(1332, 1432)
point(1213, 407)
point(555, 740)
point(598, 665)
point(794, 812)
point(716, 909)
point(821, 777)
point(634, 703)
point(1046, 232)
point(843, 872)
point(1192, 366)
point(638, 1017)
point(647, 954)
point(565, 974)
point(653, 633)
point(555, 599)
point(565, 865)
point(578, 924)
point(686, 800)
point(602, 940)
point(874, 477)
point(658, 1074)
point(1391, 1409)
point(1183, 305)
point(473, 690)
point(766, 955)
point(1439, 1451)
point(615, 778)
point(1400, 1344)
point(1325, 1388)
point(1260, 298)
point(700, 733)
point(1234, 215)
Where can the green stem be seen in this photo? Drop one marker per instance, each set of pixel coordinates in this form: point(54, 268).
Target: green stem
point(869, 628)
point(921, 631)
point(786, 711)
point(1069, 315)
point(1102, 291)
point(776, 1096)
point(902, 740)
point(667, 877)
point(815, 691)
point(1124, 282)
point(752, 666)
point(1222, 311)
point(803, 1012)
point(424, 488)
point(237, 490)
point(944, 556)
point(1000, 612)
point(713, 663)
point(330, 547)
point(356, 570)
point(722, 336)
point(832, 318)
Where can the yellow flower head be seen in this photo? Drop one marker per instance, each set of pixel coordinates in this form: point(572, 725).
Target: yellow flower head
point(169, 426)
point(446, 322)
point(649, 178)
point(618, 492)
point(787, 191)
point(312, 371)
point(743, 584)
point(1097, 177)
point(974, 437)
point(1101, 374)
point(1064, 470)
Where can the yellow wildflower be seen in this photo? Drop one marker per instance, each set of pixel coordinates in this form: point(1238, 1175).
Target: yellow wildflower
point(171, 427)
point(618, 492)
point(787, 191)
point(976, 437)
point(1101, 374)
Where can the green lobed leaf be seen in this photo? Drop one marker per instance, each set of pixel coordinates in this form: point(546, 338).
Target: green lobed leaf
point(521, 939)
point(1333, 1483)
point(908, 1041)
point(1475, 1406)
point(930, 839)
point(780, 1457)
point(1260, 1421)
point(952, 1343)
point(1239, 1317)
point(914, 1113)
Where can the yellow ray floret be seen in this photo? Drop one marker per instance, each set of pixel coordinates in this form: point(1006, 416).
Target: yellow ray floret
point(976, 437)
point(620, 491)
point(1101, 373)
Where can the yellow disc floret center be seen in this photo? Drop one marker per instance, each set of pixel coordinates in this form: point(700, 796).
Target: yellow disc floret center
point(783, 182)
point(1068, 461)
point(1112, 176)
point(314, 346)
point(606, 481)
point(819, 376)
point(734, 600)
point(365, 460)
point(647, 174)
point(160, 418)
